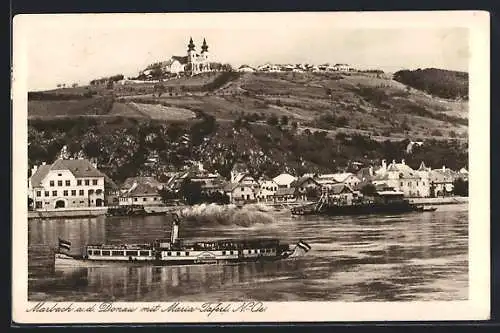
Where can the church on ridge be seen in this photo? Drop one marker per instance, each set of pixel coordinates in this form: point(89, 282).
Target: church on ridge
point(191, 64)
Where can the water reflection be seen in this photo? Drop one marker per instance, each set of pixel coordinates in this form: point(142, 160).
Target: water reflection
point(373, 258)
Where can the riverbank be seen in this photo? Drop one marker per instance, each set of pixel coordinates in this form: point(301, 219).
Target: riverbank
point(439, 201)
point(67, 212)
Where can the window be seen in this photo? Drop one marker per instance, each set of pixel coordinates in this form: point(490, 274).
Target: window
point(94, 181)
point(59, 183)
point(59, 174)
point(223, 252)
point(144, 253)
point(116, 253)
point(73, 192)
point(91, 192)
point(65, 193)
point(51, 183)
point(81, 201)
point(38, 193)
point(81, 192)
point(79, 182)
point(135, 199)
point(231, 252)
point(67, 183)
point(131, 253)
point(54, 193)
point(38, 204)
point(47, 193)
point(401, 183)
point(98, 191)
point(106, 253)
point(155, 198)
point(187, 253)
point(87, 182)
point(144, 199)
point(169, 254)
point(89, 252)
point(178, 253)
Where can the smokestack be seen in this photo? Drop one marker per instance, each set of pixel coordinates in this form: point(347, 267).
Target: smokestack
point(175, 231)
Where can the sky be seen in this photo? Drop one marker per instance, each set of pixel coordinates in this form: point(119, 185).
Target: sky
point(78, 48)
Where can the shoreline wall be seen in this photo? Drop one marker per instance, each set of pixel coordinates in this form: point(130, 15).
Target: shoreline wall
point(439, 201)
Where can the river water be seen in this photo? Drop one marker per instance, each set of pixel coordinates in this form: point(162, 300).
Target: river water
point(416, 256)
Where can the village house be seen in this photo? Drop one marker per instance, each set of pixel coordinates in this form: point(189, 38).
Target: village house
point(67, 183)
point(285, 194)
point(340, 194)
point(140, 191)
point(240, 192)
point(326, 181)
point(306, 188)
point(346, 178)
point(442, 181)
point(464, 174)
point(403, 178)
point(267, 190)
point(246, 69)
point(284, 180)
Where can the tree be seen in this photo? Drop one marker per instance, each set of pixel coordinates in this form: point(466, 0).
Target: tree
point(191, 192)
point(284, 120)
point(461, 187)
point(369, 190)
point(272, 120)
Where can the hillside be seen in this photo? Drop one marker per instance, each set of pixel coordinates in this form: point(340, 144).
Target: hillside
point(364, 103)
point(274, 122)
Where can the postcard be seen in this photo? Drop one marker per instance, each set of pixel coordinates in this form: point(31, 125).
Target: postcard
point(250, 167)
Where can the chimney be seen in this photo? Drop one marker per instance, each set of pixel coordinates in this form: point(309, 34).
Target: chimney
point(370, 170)
point(403, 161)
point(393, 162)
point(384, 165)
point(444, 168)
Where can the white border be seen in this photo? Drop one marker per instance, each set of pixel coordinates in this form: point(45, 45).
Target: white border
point(478, 305)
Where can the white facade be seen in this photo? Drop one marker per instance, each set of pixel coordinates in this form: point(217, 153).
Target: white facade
point(267, 190)
point(61, 189)
point(284, 180)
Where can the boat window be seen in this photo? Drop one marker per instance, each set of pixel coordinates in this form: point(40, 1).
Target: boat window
point(117, 253)
point(144, 253)
point(131, 253)
point(89, 252)
point(187, 253)
point(231, 252)
point(169, 253)
point(223, 252)
point(178, 253)
point(106, 253)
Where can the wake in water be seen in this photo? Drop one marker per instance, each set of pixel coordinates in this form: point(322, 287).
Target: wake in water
point(227, 214)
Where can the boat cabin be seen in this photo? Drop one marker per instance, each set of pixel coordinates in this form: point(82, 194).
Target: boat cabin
point(389, 197)
point(120, 252)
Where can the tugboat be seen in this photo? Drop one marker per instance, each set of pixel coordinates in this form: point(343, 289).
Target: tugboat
point(174, 251)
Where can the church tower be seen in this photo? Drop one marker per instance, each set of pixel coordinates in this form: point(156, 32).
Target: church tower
point(204, 55)
point(191, 59)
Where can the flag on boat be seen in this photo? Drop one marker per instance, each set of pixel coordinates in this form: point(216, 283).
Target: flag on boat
point(300, 249)
point(64, 244)
point(306, 247)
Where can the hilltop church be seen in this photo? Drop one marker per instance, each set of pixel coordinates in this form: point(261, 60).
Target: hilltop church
point(191, 64)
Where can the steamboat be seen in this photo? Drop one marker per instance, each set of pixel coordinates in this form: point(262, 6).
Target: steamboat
point(175, 251)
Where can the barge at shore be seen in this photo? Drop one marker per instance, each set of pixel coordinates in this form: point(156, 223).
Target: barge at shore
point(176, 252)
point(384, 202)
